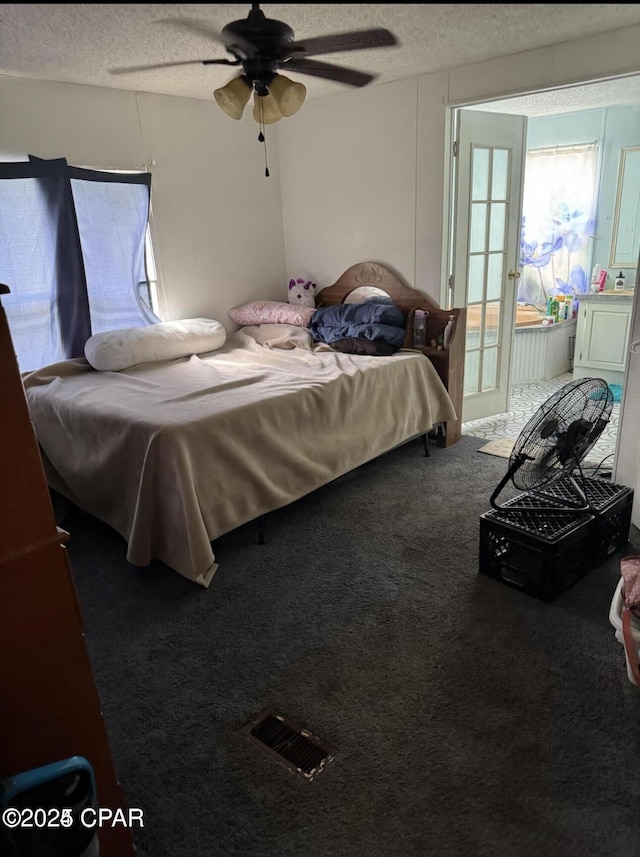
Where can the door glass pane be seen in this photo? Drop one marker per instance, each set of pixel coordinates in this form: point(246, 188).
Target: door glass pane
point(489, 369)
point(495, 275)
point(475, 283)
point(472, 339)
point(500, 174)
point(480, 174)
point(478, 232)
point(471, 371)
point(497, 229)
point(491, 323)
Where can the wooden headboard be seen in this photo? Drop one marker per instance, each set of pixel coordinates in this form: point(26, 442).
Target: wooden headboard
point(448, 362)
point(373, 274)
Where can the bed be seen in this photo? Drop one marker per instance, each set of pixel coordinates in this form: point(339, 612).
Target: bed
point(173, 453)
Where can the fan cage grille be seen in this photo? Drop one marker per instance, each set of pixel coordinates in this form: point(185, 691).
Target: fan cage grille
point(561, 432)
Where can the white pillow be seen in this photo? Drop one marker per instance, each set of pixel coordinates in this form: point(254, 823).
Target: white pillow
point(285, 336)
point(364, 293)
point(114, 350)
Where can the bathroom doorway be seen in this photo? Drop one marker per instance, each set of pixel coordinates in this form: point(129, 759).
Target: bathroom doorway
point(594, 108)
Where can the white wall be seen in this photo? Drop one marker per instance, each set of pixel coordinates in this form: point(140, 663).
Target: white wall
point(217, 221)
point(627, 461)
point(362, 180)
point(348, 173)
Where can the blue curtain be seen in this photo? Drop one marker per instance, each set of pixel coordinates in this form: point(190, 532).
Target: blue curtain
point(72, 251)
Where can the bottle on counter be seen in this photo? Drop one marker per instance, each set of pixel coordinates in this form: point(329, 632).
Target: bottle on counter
point(419, 328)
point(575, 304)
point(552, 308)
point(449, 331)
point(568, 304)
point(619, 283)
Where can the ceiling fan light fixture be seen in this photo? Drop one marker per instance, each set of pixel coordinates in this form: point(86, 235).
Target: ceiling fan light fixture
point(233, 97)
point(265, 109)
point(288, 94)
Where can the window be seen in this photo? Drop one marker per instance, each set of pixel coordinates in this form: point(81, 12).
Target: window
point(148, 287)
point(74, 250)
point(152, 274)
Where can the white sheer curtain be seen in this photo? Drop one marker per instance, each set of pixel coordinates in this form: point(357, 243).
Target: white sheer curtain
point(558, 222)
point(72, 251)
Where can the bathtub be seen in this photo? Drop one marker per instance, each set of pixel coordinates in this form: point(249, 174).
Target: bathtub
point(527, 315)
point(540, 352)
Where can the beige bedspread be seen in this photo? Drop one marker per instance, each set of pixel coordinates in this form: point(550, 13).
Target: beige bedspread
point(173, 454)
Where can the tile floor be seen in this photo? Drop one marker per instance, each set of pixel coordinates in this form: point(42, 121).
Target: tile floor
point(525, 400)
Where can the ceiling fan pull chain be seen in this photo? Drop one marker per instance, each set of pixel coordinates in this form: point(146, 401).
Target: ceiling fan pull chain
point(260, 120)
point(262, 136)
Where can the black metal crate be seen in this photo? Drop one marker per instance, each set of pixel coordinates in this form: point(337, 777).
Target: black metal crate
point(542, 552)
point(612, 505)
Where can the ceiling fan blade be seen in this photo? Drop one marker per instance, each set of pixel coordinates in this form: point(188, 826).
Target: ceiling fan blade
point(133, 68)
point(221, 62)
point(359, 40)
point(350, 76)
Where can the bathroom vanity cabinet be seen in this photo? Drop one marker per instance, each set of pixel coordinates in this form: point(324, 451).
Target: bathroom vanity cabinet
point(602, 336)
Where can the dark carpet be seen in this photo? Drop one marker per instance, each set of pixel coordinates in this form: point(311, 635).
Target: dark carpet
point(468, 718)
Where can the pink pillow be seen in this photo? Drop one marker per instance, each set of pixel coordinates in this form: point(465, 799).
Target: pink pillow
point(272, 312)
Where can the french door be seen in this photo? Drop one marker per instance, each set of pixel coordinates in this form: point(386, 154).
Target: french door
point(487, 214)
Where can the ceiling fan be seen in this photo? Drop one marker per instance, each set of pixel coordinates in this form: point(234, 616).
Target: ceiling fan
point(262, 46)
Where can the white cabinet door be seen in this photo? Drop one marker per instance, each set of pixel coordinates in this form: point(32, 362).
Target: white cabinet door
point(602, 339)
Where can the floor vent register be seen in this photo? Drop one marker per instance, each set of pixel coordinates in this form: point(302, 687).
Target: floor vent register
point(290, 745)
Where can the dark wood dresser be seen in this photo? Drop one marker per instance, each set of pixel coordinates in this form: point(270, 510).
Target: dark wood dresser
point(49, 704)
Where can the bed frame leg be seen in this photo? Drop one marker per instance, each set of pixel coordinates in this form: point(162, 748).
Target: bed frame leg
point(425, 443)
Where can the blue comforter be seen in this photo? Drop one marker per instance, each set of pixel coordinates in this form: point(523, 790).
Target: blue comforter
point(375, 320)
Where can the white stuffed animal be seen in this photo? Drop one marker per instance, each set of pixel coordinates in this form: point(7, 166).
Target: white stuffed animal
point(302, 292)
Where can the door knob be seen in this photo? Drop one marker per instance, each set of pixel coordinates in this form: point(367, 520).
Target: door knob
point(514, 275)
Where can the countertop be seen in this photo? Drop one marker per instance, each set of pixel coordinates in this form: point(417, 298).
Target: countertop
point(567, 324)
point(609, 295)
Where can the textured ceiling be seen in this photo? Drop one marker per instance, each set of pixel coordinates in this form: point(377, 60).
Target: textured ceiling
point(84, 43)
point(620, 92)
